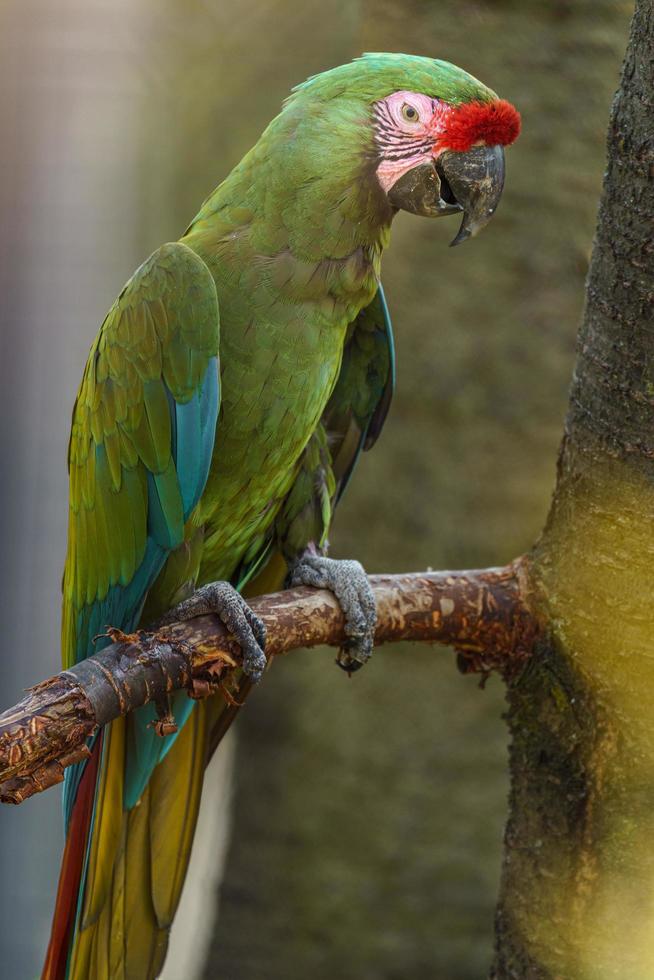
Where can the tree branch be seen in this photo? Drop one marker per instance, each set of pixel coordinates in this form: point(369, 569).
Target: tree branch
point(485, 615)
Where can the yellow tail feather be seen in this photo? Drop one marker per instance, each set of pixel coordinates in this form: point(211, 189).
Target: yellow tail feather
point(138, 860)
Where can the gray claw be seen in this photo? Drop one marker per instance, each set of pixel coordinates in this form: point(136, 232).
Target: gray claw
point(349, 583)
point(224, 601)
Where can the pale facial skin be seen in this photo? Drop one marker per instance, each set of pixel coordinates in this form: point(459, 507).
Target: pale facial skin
point(407, 127)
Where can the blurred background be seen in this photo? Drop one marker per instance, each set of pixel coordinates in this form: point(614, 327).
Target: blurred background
point(360, 833)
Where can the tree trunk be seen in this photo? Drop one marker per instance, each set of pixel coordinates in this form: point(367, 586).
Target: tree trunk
point(577, 892)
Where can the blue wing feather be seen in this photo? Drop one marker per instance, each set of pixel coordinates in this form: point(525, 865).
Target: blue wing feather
point(195, 427)
point(378, 417)
point(171, 498)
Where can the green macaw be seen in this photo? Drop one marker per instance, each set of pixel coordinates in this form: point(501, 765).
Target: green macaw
point(227, 396)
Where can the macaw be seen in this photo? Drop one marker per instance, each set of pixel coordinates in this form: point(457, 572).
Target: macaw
point(225, 401)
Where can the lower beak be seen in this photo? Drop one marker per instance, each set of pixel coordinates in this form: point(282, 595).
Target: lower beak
point(469, 181)
point(420, 191)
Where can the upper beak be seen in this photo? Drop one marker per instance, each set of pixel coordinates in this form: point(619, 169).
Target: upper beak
point(469, 181)
point(476, 179)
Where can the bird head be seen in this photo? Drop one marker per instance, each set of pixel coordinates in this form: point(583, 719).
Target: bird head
point(436, 134)
point(438, 158)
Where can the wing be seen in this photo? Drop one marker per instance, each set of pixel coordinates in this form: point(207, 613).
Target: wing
point(141, 442)
point(141, 445)
point(359, 404)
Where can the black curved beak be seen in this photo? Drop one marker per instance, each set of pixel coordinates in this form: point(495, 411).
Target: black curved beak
point(469, 181)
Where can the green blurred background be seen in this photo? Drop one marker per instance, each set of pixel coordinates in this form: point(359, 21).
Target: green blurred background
point(366, 814)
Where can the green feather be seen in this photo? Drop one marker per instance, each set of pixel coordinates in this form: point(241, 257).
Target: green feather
point(289, 249)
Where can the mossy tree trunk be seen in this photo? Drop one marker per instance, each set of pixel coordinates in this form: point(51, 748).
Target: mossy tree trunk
point(577, 892)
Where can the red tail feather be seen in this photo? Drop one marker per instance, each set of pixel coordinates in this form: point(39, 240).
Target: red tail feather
point(71, 871)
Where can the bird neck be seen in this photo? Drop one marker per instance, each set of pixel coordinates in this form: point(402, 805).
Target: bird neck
point(308, 186)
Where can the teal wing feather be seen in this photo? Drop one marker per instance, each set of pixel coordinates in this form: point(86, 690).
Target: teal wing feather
point(141, 444)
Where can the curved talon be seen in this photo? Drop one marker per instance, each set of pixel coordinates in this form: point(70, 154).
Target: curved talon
point(224, 601)
point(349, 583)
point(346, 662)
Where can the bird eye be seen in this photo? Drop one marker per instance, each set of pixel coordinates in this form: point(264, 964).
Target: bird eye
point(409, 113)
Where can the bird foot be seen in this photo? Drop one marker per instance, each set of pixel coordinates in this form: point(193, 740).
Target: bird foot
point(118, 636)
point(224, 601)
point(349, 583)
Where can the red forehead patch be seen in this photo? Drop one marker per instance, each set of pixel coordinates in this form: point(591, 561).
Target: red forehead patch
point(479, 122)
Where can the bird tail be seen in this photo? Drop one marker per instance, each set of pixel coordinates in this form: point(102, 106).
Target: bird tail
point(127, 850)
point(123, 869)
point(70, 876)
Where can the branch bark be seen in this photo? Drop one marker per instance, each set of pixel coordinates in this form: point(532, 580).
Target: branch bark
point(485, 615)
